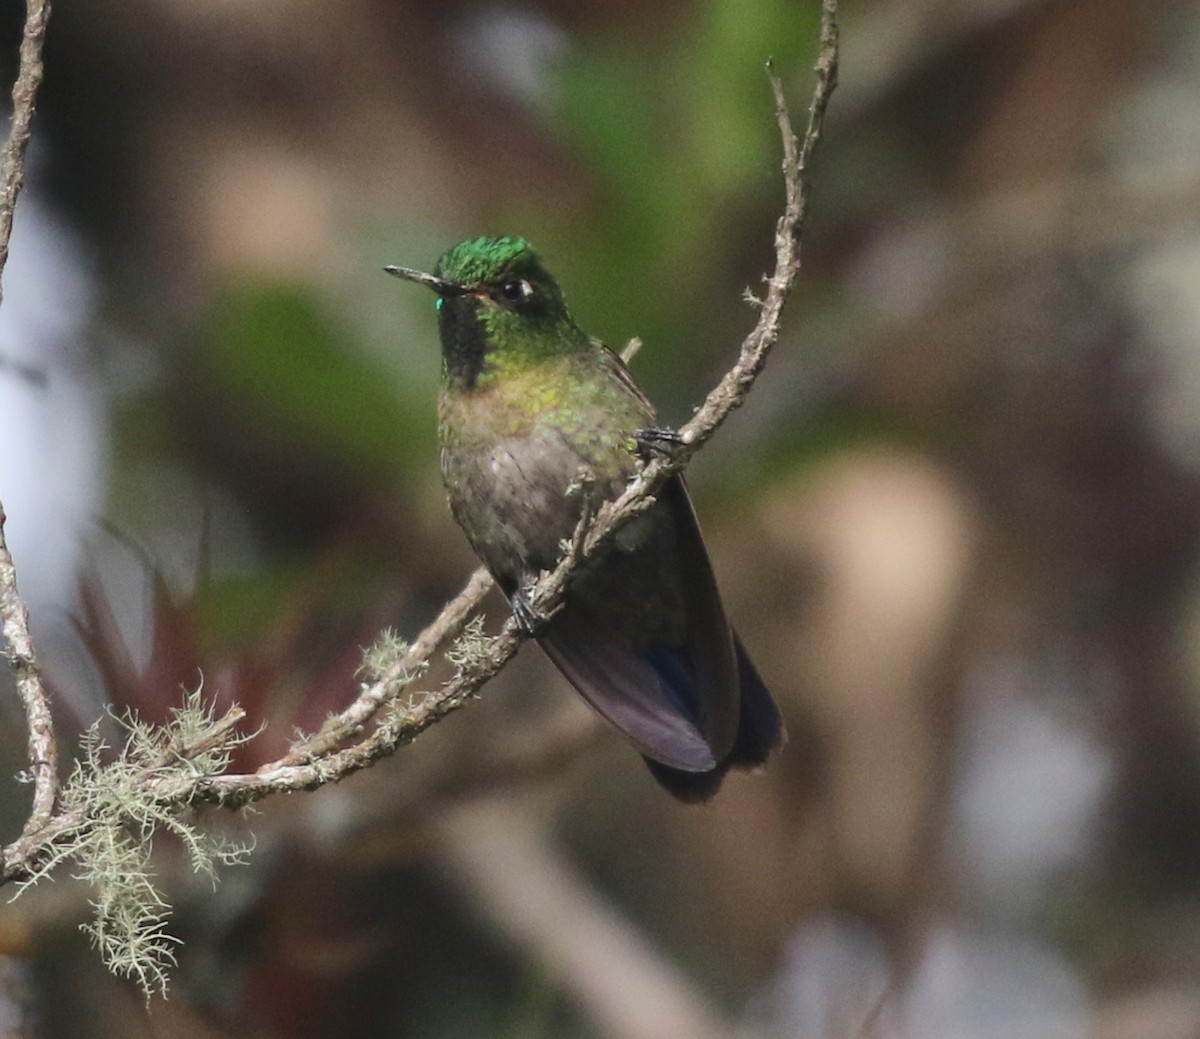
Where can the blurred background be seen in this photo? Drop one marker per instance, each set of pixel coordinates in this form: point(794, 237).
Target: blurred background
point(956, 524)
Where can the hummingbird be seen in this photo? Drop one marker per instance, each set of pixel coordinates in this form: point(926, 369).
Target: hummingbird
point(539, 421)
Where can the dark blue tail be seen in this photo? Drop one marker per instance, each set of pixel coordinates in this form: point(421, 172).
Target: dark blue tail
point(760, 730)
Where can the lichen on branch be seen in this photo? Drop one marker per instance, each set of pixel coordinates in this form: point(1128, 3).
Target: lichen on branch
point(110, 810)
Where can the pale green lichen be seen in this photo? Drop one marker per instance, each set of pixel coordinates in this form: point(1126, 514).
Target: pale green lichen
point(382, 657)
point(471, 646)
point(122, 802)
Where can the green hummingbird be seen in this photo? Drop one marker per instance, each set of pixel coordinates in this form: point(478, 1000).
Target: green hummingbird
point(537, 420)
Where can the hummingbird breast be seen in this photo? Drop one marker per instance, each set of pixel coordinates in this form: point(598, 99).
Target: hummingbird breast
point(520, 459)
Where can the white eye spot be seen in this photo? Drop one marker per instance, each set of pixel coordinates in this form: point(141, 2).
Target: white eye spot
point(516, 291)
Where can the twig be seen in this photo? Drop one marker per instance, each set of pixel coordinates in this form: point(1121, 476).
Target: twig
point(323, 758)
point(733, 388)
point(24, 95)
point(43, 751)
point(346, 724)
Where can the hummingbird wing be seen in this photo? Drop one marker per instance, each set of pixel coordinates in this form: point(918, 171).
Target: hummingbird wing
point(616, 364)
point(644, 639)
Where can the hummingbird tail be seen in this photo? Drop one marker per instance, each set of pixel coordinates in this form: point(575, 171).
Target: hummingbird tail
point(760, 730)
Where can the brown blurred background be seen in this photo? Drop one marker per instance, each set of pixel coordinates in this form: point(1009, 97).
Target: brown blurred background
point(957, 523)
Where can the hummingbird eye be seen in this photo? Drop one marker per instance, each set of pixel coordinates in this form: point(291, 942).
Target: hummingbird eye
point(516, 291)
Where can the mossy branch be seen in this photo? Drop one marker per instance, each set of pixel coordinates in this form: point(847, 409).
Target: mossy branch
point(108, 812)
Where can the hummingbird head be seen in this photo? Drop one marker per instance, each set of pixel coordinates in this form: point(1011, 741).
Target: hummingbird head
point(498, 308)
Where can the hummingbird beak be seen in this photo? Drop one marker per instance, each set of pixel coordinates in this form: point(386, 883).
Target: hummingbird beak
point(441, 286)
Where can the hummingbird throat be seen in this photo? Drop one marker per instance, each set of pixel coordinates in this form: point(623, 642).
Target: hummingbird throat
point(465, 342)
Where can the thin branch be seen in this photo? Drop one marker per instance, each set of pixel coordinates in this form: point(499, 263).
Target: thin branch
point(502, 860)
point(547, 595)
point(733, 388)
point(399, 715)
point(345, 725)
point(24, 95)
point(43, 751)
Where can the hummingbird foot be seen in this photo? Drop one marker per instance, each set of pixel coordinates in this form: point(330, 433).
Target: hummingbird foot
point(531, 622)
point(658, 440)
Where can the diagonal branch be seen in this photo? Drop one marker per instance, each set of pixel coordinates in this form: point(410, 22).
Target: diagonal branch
point(14, 618)
point(424, 710)
point(394, 714)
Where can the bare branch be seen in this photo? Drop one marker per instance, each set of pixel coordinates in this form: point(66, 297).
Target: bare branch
point(43, 751)
point(503, 861)
point(24, 96)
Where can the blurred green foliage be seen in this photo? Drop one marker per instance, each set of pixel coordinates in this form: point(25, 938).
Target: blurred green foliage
point(678, 145)
point(281, 355)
